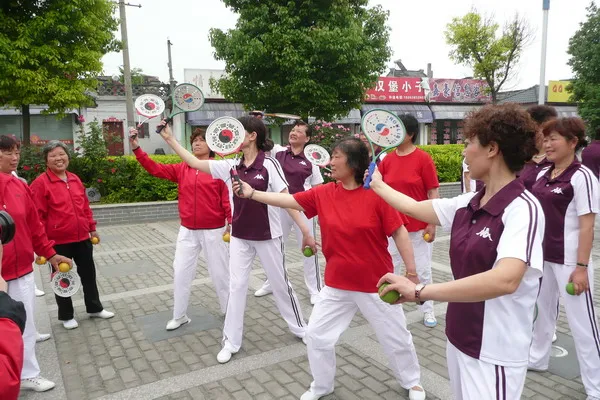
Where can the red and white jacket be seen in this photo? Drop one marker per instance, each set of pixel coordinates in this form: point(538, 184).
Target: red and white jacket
point(203, 201)
point(63, 207)
point(30, 236)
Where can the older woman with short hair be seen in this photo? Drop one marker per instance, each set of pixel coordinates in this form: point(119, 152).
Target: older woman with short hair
point(65, 212)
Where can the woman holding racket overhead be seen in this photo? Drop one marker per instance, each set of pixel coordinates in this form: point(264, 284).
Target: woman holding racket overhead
point(355, 225)
point(411, 170)
point(205, 215)
point(256, 230)
point(301, 175)
point(495, 255)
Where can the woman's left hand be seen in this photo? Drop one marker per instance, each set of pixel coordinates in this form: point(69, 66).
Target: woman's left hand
point(309, 240)
point(400, 284)
point(580, 280)
point(94, 234)
point(166, 131)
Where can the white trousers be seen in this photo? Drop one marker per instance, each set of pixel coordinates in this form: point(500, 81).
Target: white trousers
point(473, 379)
point(271, 255)
point(312, 271)
point(582, 321)
point(23, 289)
point(423, 253)
point(216, 253)
point(332, 315)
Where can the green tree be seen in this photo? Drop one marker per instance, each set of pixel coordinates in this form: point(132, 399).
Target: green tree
point(475, 42)
point(303, 57)
point(584, 49)
point(50, 52)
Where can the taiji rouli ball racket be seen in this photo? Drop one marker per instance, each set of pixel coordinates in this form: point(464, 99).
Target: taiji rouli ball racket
point(148, 106)
point(65, 284)
point(186, 98)
point(317, 155)
point(225, 136)
point(282, 115)
point(383, 129)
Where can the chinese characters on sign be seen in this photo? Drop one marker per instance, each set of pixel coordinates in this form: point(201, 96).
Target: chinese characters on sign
point(421, 90)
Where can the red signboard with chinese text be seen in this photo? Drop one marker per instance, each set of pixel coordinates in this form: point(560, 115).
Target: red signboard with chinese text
point(396, 90)
point(458, 91)
point(424, 90)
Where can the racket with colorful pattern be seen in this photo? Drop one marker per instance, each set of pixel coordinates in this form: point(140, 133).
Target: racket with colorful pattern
point(317, 155)
point(383, 129)
point(225, 136)
point(186, 98)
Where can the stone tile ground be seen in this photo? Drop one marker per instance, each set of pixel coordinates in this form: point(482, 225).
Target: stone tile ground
point(115, 359)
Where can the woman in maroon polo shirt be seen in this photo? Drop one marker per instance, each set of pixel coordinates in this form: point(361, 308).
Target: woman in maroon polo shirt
point(355, 225)
point(495, 255)
point(65, 212)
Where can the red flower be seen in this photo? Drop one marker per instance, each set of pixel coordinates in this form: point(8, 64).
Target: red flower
point(99, 180)
point(26, 167)
point(36, 166)
point(111, 160)
point(113, 170)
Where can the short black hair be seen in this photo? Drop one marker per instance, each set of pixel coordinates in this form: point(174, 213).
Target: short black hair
point(8, 143)
point(542, 113)
point(357, 156)
point(411, 124)
point(307, 127)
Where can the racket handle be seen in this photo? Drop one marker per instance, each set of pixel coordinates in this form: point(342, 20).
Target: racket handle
point(372, 166)
point(237, 178)
point(160, 128)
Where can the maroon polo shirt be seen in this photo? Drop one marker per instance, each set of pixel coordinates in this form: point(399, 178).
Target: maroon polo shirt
point(528, 175)
point(296, 167)
point(590, 157)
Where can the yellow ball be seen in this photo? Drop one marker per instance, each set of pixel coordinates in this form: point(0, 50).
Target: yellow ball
point(64, 267)
point(427, 237)
point(226, 237)
point(95, 240)
point(41, 260)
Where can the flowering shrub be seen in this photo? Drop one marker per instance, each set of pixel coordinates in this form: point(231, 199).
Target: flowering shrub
point(325, 134)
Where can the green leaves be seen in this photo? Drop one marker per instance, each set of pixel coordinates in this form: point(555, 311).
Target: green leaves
point(474, 42)
point(308, 58)
point(584, 49)
point(50, 51)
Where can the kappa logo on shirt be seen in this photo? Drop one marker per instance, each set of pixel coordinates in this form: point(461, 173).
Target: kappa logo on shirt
point(259, 177)
point(557, 190)
point(485, 233)
point(302, 163)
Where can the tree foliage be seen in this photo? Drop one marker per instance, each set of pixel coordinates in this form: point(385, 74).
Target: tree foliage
point(475, 42)
point(584, 49)
point(51, 50)
point(310, 57)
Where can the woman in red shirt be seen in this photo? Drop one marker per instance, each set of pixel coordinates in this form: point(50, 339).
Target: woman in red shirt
point(66, 215)
point(355, 225)
point(205, 214)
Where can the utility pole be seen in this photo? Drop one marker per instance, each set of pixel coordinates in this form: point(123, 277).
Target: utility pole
point(170, 64)
point(542, 88)
point(126, 65)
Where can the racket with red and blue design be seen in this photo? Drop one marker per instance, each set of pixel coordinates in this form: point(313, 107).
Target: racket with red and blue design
point(186, 98)
point(384, 129)
point(225, 136)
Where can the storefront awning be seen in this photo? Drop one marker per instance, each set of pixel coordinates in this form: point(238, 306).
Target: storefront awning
point(566, 111)
point(211, 111)
point(447, 111)
point(420, 111)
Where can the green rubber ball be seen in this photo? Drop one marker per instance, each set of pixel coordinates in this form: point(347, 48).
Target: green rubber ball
point(390, 297)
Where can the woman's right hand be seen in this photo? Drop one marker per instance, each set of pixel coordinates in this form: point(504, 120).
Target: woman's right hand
point(246, 189)
point(133, 138)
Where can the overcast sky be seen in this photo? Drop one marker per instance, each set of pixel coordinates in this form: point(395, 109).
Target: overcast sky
point(416, 38)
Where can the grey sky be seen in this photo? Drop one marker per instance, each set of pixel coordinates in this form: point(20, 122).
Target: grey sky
point(417, 34)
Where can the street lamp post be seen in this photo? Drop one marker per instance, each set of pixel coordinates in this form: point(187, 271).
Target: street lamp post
point(542, 88)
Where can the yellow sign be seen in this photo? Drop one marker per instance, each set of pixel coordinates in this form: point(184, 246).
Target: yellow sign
point(557, 92)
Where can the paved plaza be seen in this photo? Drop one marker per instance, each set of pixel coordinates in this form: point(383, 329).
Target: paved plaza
point(132, 356)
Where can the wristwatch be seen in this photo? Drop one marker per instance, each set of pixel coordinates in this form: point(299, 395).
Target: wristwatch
point(418, 289)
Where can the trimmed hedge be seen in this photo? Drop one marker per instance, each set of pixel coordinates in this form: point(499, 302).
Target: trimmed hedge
point(123, 180)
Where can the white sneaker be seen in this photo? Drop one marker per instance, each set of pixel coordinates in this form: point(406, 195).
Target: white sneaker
point(102, 314)
point(42, 337)
point(225, 355)
point(414, 394)
point(429, 319)
point(39, 293)
point(70, 324)
point(309, 395)
point(554, 338)
point(176, 323)
point(37, 384)
point(263, 292)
